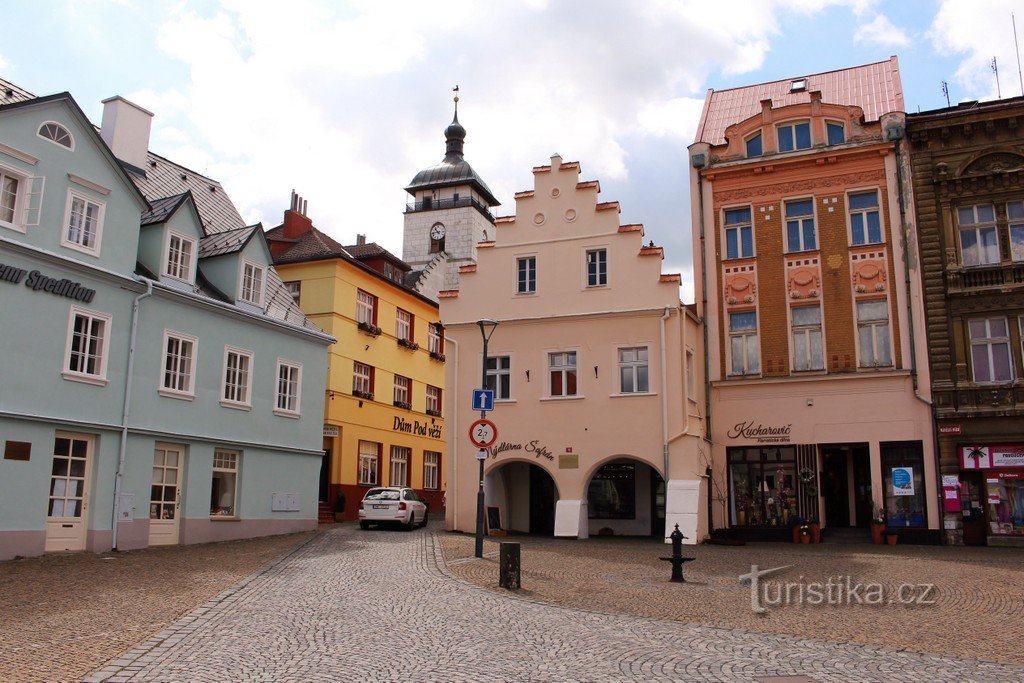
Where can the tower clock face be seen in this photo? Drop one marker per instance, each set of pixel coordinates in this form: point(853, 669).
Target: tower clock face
point(437, 232)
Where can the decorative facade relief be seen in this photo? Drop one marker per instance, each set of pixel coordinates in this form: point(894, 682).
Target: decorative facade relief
point(870, 274)
point(740, 285)
point(803, 278)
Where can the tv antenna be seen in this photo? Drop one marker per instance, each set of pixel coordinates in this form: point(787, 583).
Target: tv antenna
point(945, 91)
point(995, 70)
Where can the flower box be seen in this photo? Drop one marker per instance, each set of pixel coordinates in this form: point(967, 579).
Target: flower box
point(370, 329)
point(434, 355)
point(411, 345)
point(363, 394)
point(400, 404)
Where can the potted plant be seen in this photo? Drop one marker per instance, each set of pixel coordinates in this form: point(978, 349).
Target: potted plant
point(799, 526)
point(815, 528)
point(741, 512)
point(878, 525)
point(891, 539)
point(339, 508)
point(805, 533)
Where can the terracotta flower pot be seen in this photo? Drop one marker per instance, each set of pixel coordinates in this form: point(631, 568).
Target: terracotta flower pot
point(877, 533)
point(815, 532)
point(805, 539)
point(891, 539)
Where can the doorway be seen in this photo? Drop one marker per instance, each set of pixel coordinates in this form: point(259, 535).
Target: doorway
point(542, 502)
point(165, 495)
point(68, 507)
point(325, 477)
point(846, 485)
point(525, 495)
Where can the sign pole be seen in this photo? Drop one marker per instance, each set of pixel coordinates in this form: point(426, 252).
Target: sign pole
point(485, 334)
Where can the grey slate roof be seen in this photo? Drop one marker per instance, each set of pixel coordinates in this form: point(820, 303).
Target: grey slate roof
point(162, 209)
point(164, 178)
point(10, 93)
point(227, 242)
point(448, 173)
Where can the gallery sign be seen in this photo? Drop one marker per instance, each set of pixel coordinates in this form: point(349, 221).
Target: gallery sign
point(996, 455)
point(760, 433)
point(38, 282)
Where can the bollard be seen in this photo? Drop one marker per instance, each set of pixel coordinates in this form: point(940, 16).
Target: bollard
point(508, 566)
point(677, 558)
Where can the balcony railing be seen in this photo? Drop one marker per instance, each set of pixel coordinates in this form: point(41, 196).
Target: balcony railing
point(1007, 399)
point(995, 276)
point(430, 204)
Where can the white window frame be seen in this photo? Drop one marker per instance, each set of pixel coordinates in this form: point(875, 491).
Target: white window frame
point(791, 125)
point(404, 321)
point(433, 399)
point(71, 138)
point(403, 390)
point(631, 368)
point(366, 307)
point(98, 378)
point(977, 227)
point(800, 220)
point(432, 470)
point(529, 284)
point(747, 337)
point(738, 228)
point(372, 461)
point(399, 462)
point(178, 371)
point(1016, 255)
point(292, 397)
point(989, 342)
point(873, 327)
point(245, 403)
point(596, 271)
point(434, 339)
point(17, 222)
point(564, 370)
point(227, 462)
point(245, 282)
point(65, 238)
point(497, 373)
point(864, 213)
point(362, 379)
point(808, 331)
point(177, 269)
point(294, 288)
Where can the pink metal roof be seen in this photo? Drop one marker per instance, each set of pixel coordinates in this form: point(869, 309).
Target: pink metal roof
point(875, 88)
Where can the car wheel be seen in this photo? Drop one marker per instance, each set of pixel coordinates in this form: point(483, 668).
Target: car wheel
point(423, 522)
point(364, 525)
point(411, 524)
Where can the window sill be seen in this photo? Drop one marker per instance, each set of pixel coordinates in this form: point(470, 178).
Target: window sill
point(181, 396)
point(505, 400)
point(577, 397)
point(224, 518)
point(77, 247)
point(534, 293)
point(236, 406)
point(287, 413)
point(15, 227)
point(628, 394)
point(84, 379)
point(591, 287)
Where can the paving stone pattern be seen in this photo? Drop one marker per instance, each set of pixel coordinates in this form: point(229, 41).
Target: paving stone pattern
point(384, 606)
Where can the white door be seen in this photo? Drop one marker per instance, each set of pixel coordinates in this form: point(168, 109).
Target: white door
point(68, 512)
point(165, 495)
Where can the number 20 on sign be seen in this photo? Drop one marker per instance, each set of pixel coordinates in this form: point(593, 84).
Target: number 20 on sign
point(483, 433)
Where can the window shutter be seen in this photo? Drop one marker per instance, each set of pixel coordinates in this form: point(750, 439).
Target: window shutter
point(34, 200)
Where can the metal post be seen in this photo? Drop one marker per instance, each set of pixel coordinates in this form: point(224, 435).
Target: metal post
point(479, 550)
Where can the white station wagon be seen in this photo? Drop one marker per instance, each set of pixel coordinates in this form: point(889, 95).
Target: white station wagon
point(392, 505)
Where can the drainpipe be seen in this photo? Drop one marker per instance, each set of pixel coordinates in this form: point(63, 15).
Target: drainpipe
point(453, 440)
point(699, 162)
point(126, 410)
point(664, 394)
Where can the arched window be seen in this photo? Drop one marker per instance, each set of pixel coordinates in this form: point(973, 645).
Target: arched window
point(57, 134)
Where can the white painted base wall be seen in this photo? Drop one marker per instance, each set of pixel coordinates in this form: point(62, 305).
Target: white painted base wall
point(686, 504)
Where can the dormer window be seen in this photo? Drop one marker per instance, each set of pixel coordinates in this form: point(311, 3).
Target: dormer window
point(252, 283)
point(755, 146)
point(798, 85)
point(794, 135)
point(836, 132)
point(57, 134)
point(180, 250)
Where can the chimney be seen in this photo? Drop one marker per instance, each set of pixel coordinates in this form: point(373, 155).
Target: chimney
point(125, 129)
point(296, 224)
point(360, 240)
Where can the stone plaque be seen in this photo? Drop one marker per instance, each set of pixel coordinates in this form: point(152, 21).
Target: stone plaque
point(17, 450)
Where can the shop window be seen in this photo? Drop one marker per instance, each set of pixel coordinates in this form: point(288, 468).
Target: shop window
point(1015, 214)
point(873, 332)
point(1005, 491)
point(743, 342)
point(431, 470)
point(400, 465)
point(990, 350)
point(865, 224)
point(597, 267)
point(903, 484)
point(808, 352)
point(369, 463)
point(739, 233)
point(979, 241)
point(224, 490)
point(800, 233)
point(499, 377)
point(612, 492)
point(633, 370)
point(562, 372)
point(762, 486)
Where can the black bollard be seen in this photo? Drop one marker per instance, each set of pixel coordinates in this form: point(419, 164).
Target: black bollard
point(508, 566)
point(677, 558)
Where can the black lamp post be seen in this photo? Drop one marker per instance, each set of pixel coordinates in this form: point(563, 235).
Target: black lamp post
point(486, 330)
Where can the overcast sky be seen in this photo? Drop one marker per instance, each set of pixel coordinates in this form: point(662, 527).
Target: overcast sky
point(345, 102)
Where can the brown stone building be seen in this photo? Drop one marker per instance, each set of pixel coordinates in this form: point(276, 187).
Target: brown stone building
point(968, 186)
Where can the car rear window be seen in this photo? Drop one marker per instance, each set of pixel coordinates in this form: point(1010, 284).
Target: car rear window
point(381, 494)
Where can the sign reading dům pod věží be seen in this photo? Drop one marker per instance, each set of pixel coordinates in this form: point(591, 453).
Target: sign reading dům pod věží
point(38, 282)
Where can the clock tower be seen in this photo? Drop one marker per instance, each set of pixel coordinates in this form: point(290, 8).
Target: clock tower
point(449, 214)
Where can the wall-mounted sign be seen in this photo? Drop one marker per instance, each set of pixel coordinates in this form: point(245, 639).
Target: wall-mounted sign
point(951, 430)
point(996, 455)
point(902, 481)
point(569, 461)
point(331, 431)
point(416, 427)
point(760, 433)
point(950, 493)
point(534, 448)
point(38, 282)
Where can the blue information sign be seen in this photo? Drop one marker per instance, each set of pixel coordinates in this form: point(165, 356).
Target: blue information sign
point(483, 399)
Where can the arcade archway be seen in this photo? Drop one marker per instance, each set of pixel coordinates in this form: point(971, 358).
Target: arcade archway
point(525, 495)
point(626, 497)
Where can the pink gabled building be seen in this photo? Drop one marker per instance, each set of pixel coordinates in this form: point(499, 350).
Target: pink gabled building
point(595, 365)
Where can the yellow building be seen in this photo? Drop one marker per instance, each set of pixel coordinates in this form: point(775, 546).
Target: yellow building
point(382, 423)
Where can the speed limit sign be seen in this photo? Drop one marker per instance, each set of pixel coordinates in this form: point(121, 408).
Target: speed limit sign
point(483, 433)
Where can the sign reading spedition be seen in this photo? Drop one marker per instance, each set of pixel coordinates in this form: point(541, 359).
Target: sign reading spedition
point(37, 282)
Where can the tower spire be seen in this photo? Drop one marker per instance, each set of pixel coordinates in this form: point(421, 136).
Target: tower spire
point(455, 134)
point(456, 91)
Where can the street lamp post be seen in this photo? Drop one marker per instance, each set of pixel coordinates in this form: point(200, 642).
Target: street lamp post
point(486, 330)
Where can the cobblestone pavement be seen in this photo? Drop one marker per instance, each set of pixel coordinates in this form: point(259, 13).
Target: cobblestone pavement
point(979, 594)
point(379, 605)
point(63, 615)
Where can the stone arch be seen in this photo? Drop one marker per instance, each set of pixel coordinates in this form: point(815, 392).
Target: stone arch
point(526, 494)
point(992, 161)
point(625, 495)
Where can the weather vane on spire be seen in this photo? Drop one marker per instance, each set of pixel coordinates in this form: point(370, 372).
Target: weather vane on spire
point(456, 91)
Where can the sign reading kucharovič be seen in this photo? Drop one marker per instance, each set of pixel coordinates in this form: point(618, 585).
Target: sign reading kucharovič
point(37, 282)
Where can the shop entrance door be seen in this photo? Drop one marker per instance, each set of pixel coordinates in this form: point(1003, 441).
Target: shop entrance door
point(325, 477)
point(542, 502)
point(836, 486)
point(971, 508)
point(67, 515)
point(165, 495)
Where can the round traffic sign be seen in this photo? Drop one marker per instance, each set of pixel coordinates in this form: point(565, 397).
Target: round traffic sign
point(483, 433)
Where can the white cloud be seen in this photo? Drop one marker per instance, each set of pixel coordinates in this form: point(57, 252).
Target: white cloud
point(4, 64)
point(880, 31)
point(978, 31)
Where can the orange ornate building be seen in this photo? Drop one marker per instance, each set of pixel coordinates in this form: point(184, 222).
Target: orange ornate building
point(816, 364)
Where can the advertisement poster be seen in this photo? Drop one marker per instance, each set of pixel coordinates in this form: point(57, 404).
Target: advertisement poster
point(996, 455)
point(902, 481)
point(951, 493)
